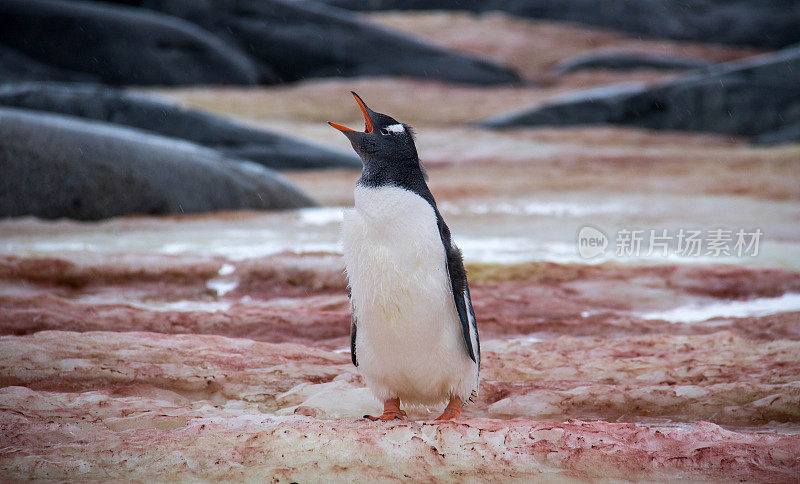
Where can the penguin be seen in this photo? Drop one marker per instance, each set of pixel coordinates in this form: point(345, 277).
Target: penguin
point(413, 334)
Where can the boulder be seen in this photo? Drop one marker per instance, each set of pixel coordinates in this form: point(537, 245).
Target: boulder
point(149, 113)
point(738, 22)
point(748, 97)
point(121, 45)
point(308, 39)
point(55, 166)
point(786, 135)
point(15, 67)
point(620, 60)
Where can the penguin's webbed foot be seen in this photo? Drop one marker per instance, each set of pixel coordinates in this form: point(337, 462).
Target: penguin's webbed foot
point(387, 416)
point(391, 411)
point(452, 411)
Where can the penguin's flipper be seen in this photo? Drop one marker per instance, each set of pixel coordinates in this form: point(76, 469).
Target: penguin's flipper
point(352, 330)
point(460, 290)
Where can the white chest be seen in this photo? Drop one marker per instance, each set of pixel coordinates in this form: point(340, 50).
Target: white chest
point(393, 252)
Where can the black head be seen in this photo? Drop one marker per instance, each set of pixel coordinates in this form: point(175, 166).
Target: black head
point(384, 139)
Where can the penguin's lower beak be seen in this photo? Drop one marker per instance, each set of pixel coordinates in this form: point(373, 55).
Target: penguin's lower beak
point(367, 112)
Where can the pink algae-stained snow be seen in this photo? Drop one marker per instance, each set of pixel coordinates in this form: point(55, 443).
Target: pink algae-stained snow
point(134, 368)
point(96, 435)
point(136, 405)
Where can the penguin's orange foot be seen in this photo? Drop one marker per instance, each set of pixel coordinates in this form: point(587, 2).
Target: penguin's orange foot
point(391, 411)
point(386, 416)
point(452, 411)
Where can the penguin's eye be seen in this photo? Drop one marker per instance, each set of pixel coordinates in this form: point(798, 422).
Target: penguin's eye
point(384, 131)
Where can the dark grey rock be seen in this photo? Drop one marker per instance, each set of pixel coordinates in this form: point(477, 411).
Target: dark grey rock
point(786, 135)
point(121, 45)
point(771, 24)
point(307, 39)
point(149, 113)
point(620, 60)
point(748, 97)
point(54, 166)
point(15, 67)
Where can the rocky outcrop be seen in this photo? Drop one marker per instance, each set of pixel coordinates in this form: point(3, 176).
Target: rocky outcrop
point(300, 40)
point(742, 22)
point(749, 97)
point(785, 135)
point(621, 60)
point(149, 113)
point(121, 45)
point(60, 166)
point(15, 67)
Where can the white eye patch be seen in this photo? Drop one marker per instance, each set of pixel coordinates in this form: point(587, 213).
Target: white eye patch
point(396, 128)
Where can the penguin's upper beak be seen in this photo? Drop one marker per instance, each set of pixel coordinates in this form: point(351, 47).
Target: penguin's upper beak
point(367, 112)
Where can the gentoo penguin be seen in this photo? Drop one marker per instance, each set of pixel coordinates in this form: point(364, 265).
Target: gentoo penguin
point(413, 334)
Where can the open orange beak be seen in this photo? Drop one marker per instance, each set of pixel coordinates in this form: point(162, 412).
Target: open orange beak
point(364, 110)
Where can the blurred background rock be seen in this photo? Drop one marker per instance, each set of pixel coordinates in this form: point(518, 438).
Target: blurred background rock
point(56, 56)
